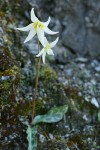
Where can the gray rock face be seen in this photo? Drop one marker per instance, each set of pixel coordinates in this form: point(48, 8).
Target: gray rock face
point(79, 24)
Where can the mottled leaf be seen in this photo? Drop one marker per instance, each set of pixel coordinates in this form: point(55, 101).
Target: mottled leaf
point(32, 138)
point(54, 115)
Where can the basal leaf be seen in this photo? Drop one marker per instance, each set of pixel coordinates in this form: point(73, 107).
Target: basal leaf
point(32, 138)
point(54, 115)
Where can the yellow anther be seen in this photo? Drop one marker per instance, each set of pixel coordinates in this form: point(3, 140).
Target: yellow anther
point(47, 47)
point(38, 25)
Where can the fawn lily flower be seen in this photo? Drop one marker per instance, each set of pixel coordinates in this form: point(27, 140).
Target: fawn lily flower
point(37, 27)
point(47, 49)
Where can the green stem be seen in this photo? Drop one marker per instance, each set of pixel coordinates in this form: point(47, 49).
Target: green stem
point(36, 83)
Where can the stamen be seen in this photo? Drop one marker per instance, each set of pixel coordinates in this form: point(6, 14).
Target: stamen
point(47, 47)
point(38, 25)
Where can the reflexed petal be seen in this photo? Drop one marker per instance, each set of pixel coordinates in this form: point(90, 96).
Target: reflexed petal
point(45, 41)
point(50, 52)
point(43, 57)
point(54, 42)
point(27, 28)
point(47, 22)
point(40, 35)
point(33, 17)
point(30, 35)
point(41, 52)
point(47, 30)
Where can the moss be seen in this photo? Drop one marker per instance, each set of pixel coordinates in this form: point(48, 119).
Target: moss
point(78, 104)
point(2, 14)
point(47, 73)
point(39, 105)
point(5, 85)
point(9, 76)
point(50, 90)
point(24, 108)
point(77, 140)
point(11, 71)
point(6, 60)
point(48, 77)
point(8, 83)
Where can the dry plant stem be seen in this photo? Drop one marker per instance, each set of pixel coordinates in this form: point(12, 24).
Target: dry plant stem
point(36, 83)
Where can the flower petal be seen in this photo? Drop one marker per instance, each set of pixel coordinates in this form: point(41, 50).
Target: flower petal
point(40, 35)
point(30, 35)
point(27, 28)
point(50, 52)
point(33, 17)
point(54, 42)
point(47, 22)
point(47, 30)
point(45, 41)
point(43, 57)
point(41, 52)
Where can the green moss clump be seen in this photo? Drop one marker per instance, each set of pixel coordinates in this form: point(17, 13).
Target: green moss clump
point(24, 108)
point(9, 80)
point(11, 71)
point(9, 77)
point(6, 60)
point(48, 76)
point(50, 89)
point(47, 73)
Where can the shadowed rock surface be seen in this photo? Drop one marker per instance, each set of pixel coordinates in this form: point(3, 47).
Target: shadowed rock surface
point(78, 22)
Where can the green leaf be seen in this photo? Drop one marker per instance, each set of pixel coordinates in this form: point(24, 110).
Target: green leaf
point(31, 137)
point(54, 115)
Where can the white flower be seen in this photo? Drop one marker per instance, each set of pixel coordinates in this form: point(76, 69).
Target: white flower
point(47, 49)
point(37, 27)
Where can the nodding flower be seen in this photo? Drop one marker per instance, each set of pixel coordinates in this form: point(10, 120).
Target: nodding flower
point(37, 27)
point(47, 49)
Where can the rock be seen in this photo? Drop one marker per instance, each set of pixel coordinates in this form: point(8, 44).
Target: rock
point(95, 102)
point(78, 35)
point(79, 24)
point(97, 68)
point(81, 59)
point(41, 138)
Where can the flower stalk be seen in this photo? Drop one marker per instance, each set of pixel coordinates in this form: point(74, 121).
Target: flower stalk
point(36, 83)
point(36, 27)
